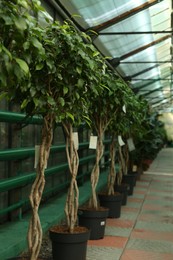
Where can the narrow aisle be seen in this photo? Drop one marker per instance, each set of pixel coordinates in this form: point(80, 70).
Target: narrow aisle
point(152, 235)
point(145, 228)
point(163, 164)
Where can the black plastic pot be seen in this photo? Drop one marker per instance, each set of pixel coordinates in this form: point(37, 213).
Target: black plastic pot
point(113, 203)
point(67, 246)
point(134, 174)
point(130, 179)
point(123, 189)
point(95, 220)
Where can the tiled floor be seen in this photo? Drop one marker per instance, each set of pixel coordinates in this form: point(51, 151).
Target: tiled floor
point(145, 229)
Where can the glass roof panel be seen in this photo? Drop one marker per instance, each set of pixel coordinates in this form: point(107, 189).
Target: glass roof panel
point(145, 55)
point(99, 11)
point(141, 55)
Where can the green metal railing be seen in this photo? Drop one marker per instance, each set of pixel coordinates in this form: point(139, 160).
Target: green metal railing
point(22, 180)
point(25, 179)
point(22, 153)
point(12, 117)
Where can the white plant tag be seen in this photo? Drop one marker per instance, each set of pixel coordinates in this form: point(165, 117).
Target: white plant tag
point(134, 168)
point(37, 154)
point(130, 144)
point(102, 223)
point(93, 142)
point(120, 141)
point(124, 109)
point(76, 140)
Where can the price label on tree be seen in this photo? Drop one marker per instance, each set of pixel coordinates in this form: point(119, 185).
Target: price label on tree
point(93, 142)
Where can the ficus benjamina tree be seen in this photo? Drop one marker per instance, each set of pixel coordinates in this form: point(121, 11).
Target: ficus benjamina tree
point(48, 72)
point(126, 122)
point(103, 109)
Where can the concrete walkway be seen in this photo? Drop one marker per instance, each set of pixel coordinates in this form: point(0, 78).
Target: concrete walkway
point(145, 229)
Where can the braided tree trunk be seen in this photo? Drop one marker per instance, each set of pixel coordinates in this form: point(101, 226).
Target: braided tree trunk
point(126, 159)
point(112, 171)
point(71, 207)
point(121, 165)
point(35, 230)
point(96, 170)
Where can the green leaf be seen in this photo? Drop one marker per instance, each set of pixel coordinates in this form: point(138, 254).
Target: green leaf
point(3, 95)
point(96, 53)
point(79, 70)
point(80, 83)
point(37, 44)
point(65, 90)
point(33, 91)
point(77, 95)
point(39, 66)
point(61, 100)
point(23, 65)
point(51, 101)
point(20, 23)
point(7, 52)
point(24, 103)
point(70, 115)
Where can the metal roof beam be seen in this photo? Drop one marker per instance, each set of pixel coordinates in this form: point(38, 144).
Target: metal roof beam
point(160, 102)
point(152, 79)
point(143, 62)
point(124, 16)
point(143, 71)
point(137, 89)
point(127, 55)
point(125, 33)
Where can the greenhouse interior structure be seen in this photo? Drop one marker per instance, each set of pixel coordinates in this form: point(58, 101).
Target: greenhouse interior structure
point(86, 129)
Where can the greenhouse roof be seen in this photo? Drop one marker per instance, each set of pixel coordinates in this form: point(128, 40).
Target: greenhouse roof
point(136, 36)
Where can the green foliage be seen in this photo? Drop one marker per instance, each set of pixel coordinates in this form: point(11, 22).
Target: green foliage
point(151, 139)
point(46, 69)
point(14, 27)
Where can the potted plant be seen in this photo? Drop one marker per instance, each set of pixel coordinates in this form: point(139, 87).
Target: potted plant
point(129, 123)
point(102, 111)
point(37, 82)
point(116, 128)
point(78, 64)
point(21, 56)
point(149, 141)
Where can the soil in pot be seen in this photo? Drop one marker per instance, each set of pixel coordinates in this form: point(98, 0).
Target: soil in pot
point(95, 220)
point(123, 188)
point(67, 245)
point(112, 202)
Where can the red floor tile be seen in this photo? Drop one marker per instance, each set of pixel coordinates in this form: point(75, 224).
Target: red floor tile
point(129, 209)
point(130, 254)
point(140, 191)
point(123, 223)
point(152, 235)
point(152, 207)
point(150, 197)
point(109, 241)
point(135, 199)
point(151, 217)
